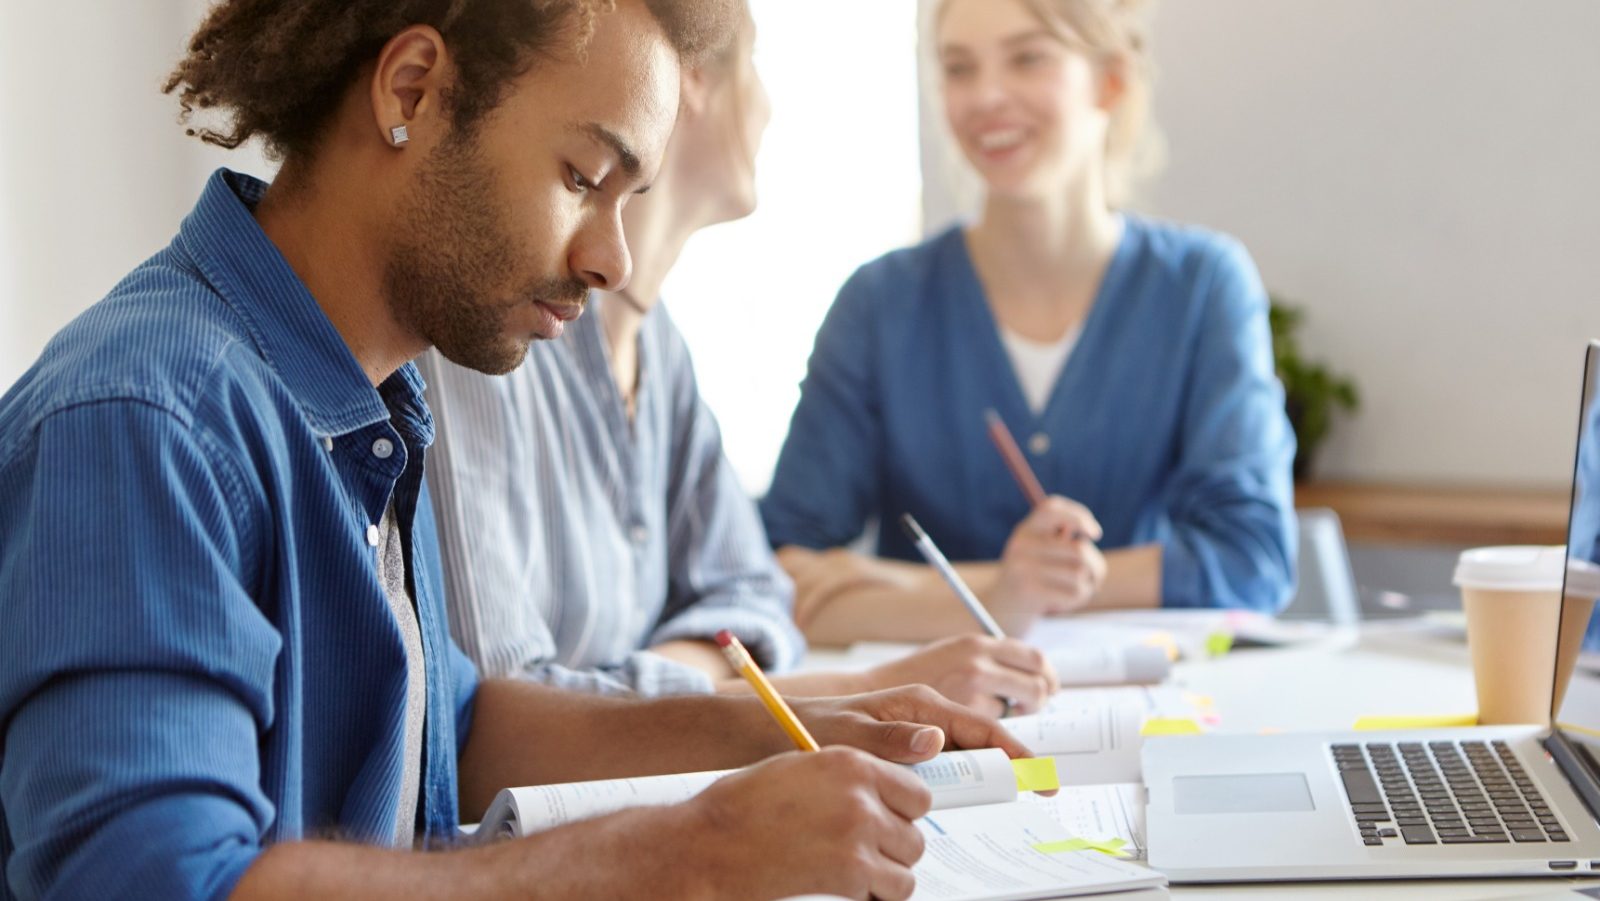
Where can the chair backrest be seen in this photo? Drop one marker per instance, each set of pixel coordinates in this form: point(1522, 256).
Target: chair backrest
point(1327, 586)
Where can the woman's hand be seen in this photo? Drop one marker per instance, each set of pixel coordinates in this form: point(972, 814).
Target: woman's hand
point(976, 671)
point(1050, 565)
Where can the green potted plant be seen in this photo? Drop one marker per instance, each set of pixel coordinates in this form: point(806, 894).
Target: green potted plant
point(1312, 393)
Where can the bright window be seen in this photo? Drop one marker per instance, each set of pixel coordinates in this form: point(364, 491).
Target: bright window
point(839, 183)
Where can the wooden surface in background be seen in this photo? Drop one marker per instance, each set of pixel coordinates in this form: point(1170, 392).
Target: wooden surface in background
point(1405, 514)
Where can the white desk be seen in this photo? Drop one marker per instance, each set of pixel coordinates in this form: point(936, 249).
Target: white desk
point(1386, 669)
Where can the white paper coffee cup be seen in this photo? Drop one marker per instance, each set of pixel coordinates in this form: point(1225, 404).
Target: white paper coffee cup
point(1512, 597)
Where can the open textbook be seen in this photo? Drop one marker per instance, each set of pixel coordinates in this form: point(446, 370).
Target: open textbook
point(983, 842)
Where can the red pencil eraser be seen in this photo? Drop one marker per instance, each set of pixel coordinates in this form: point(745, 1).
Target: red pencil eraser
point(724, 638)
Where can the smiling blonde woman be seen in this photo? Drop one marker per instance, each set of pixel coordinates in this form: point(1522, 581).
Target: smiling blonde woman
point(1131, 357)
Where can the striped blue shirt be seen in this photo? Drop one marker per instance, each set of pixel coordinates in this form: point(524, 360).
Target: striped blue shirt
point(574, 539)
point(1167, 421)
point(197, 656)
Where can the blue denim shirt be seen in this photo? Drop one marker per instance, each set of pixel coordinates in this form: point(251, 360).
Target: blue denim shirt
point(196, 656)
point(1167, 420)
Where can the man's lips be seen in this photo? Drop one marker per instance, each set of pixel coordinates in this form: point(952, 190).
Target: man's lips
point(566, 312)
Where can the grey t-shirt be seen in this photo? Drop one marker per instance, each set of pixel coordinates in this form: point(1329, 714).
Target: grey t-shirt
point(392, 573)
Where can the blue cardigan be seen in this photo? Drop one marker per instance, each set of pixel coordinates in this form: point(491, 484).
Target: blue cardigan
point(1167, 420)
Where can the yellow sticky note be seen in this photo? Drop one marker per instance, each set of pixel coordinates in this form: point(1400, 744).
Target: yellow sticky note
point(1112, 846)
point(1036, 774)
point(1376, 723)
point(1160, 726)
point(1199, 701)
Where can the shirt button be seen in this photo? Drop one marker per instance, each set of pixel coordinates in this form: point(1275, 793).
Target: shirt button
point(327, 443)
point(372, 536)
point(1039, 444)
point(383, 448)
point(639, 534)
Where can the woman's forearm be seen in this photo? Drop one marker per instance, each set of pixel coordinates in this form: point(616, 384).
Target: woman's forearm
point(1133, 579)
point(899, 601)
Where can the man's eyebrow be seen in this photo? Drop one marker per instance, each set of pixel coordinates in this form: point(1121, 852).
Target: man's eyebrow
point(625, 155)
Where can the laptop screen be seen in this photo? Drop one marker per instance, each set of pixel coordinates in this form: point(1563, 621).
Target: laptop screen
point(1576, 700)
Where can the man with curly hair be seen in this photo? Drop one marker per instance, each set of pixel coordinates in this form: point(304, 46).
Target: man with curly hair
point(224, 668)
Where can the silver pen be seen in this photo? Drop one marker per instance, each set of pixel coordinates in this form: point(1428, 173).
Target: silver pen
point(930, 552)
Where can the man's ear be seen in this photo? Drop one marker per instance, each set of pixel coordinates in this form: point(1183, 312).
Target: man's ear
point(408, 84)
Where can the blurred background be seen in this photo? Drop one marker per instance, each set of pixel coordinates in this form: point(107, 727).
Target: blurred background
point(1420, 180)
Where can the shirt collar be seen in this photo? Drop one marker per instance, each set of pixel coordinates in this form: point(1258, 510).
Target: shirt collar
point(290, 330)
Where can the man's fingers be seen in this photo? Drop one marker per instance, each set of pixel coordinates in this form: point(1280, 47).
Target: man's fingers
point(902, 792)
point(901, 841)
point(963, 727)
point(901, 741)
point(918, 713)
point(891, 881)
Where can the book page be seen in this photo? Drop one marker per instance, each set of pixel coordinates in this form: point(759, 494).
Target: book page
point(965, 778)
point(988, 854)
point(1099, 813)
point(534, 808)
point(956, 778)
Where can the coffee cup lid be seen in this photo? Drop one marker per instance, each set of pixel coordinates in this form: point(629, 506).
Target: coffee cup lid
point(1516, 568)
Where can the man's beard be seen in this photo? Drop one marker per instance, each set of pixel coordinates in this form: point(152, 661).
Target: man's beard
point(448, 262)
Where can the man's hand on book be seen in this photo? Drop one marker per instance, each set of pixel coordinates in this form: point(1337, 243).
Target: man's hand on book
point(837, 821)
point(905, 725)
point(977, 671)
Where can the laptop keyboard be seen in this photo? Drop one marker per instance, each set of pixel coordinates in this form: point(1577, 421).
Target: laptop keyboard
point(1443, 792)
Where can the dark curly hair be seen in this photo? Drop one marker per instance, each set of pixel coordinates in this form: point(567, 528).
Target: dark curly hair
point(279, 68)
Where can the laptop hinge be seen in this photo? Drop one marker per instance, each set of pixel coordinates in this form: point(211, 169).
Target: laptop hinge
point(1580, 767)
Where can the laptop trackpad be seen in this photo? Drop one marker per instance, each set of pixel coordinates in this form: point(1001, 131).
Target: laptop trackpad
point(1248, 793)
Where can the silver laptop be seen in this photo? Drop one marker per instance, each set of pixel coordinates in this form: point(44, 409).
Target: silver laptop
point(1485, 801)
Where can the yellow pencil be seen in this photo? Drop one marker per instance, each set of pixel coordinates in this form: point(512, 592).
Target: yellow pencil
point(745, 665)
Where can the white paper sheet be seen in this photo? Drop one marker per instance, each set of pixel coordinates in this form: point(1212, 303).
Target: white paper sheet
point(987, 854)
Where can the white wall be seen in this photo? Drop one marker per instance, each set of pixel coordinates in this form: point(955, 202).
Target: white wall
point(95, 172)
point(1424, 177)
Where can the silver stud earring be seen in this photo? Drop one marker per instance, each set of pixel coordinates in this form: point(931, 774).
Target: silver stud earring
point(399, 135)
